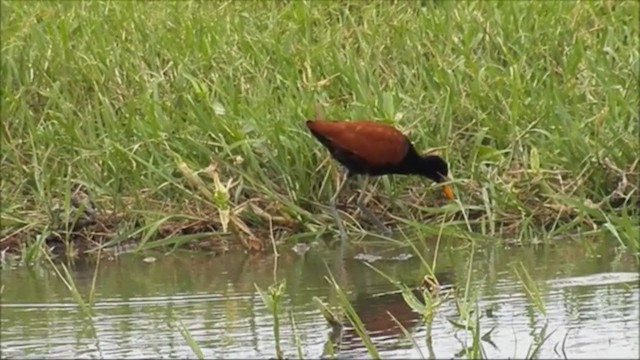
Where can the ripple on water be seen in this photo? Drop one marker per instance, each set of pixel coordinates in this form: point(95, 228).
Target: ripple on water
point(228, 319)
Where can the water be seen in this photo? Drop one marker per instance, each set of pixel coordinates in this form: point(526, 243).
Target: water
point(590, 300)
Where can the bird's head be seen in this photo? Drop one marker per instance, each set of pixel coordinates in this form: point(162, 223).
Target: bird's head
point(435, 168)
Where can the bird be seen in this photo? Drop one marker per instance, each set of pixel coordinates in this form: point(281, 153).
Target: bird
point(371, 149)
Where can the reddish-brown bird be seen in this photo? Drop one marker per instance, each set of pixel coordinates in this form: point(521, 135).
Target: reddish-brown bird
point(374, 149)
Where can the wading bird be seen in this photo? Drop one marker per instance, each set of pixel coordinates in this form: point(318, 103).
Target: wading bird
point(374, 149)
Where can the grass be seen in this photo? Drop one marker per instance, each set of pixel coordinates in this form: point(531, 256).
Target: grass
point(188, 338)
point(271, 300)
point(113, 112)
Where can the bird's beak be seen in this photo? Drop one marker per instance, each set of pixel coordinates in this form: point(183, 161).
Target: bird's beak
point(447, 190)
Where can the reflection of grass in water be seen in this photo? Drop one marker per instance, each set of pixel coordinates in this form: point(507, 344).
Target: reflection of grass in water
point(469, 315)
point(67, 279)
point(432, 298)
point(539, 113)
point(86, 307)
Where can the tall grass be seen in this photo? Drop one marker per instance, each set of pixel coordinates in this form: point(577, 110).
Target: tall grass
point(534, 104)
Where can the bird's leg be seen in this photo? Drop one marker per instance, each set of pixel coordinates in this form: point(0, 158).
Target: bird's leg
point(334, 209)
point(368, 212)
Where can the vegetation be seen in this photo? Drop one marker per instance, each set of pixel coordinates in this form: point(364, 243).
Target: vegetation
point(183, 124)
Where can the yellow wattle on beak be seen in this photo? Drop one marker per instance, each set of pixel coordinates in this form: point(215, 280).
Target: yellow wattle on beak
point(448, 192)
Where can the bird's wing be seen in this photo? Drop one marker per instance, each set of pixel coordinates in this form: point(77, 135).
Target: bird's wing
point(375, 143)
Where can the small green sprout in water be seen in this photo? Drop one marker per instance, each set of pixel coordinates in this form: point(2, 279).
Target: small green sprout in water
point(539, 338)
point(296, 336)
point(193, 344)
point(336, 326)
point(86, 307)
point(271, 300)
point(353, 317)
point(472, 324)
point(530, 287)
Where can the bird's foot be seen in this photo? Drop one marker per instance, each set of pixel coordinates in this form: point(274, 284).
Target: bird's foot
point(387, 231)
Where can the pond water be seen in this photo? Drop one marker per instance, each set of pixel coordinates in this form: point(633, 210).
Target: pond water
point(590, 294)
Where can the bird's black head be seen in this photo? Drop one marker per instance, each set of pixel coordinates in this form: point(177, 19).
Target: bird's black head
point(434, 167)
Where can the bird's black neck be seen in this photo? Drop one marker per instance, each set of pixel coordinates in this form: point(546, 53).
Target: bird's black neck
point(423, 165)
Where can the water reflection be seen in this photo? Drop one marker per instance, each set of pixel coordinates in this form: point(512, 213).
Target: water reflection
point(594, 299)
